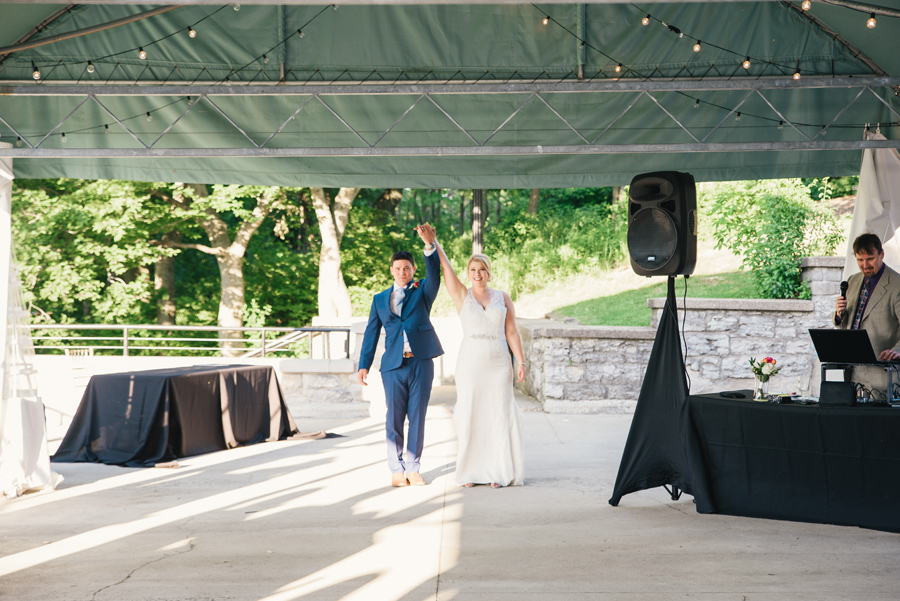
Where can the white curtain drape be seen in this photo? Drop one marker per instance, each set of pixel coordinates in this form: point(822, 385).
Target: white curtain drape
point(877, 207)
point(24, 459)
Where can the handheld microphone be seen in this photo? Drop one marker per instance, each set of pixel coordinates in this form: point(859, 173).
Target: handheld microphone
point(844, 286)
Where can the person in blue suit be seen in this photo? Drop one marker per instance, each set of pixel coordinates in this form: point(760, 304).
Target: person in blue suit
point(407, 366)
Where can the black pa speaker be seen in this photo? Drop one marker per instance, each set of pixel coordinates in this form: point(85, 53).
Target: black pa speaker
point(662, 223)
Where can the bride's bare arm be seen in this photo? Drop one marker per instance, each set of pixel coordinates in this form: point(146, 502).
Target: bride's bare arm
point(512, 337)
point(455, 288)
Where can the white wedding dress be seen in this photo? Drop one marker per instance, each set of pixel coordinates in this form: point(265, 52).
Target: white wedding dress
point(488, 421)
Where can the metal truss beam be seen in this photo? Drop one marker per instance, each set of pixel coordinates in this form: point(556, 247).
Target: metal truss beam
point(439, 151)
point(532, 94)
point(365, 89)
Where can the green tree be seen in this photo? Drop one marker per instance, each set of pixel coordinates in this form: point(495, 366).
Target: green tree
point(84, 248)
point(772, 224)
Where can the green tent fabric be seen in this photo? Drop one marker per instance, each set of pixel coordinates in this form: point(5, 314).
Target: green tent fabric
point(395, 136)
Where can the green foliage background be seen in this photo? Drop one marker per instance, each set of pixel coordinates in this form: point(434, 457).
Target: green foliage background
point(772, 224)
point(87, 249)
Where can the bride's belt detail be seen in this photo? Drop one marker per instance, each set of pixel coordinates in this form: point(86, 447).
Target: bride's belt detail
point(482, 336)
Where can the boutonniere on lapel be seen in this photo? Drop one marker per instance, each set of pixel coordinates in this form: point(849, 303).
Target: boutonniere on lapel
point(413, 285)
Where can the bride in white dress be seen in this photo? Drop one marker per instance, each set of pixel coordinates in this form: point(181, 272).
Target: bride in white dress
point(488, 421)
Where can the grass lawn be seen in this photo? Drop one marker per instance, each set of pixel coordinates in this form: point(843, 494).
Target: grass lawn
point(629, 308)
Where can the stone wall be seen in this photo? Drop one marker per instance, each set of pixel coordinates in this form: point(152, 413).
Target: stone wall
point(575, 368)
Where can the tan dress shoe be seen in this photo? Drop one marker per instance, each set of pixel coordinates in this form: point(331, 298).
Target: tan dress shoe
point(399, 479)
point(415, 479)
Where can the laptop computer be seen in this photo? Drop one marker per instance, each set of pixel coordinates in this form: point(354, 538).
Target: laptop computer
point(843, 346)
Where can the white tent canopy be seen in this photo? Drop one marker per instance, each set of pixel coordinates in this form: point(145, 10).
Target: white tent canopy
point(877, 207)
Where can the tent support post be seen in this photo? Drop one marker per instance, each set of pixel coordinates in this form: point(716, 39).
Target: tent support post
point(6, 177)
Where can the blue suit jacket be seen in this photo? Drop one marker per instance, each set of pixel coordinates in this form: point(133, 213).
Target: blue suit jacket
point(413, 319)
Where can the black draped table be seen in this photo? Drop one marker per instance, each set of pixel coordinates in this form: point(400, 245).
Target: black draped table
point(143, 418)
point(808, 463)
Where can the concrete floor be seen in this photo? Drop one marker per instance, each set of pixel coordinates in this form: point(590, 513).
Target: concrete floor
point(316, 520)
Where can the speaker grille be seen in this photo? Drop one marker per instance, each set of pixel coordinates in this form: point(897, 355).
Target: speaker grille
point(652, 239)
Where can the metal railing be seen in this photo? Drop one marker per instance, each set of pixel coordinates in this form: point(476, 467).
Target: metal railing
point(314, 342)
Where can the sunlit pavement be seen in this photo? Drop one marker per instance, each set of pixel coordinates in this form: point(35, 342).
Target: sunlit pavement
point(317, 520)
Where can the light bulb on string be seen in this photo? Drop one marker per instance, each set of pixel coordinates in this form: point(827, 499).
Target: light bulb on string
point(746, 63)
point(806, 5)
point(64, 138)
point(35, 72)
point(142, 53)
point(106, 129)
point(192, 32)
point(697, 104)
point(149, 117)
point(871, 22)
point(619, 68)
point(737, 117)
point(780, 125)
point(645, 21)
point(19, 142)
point(697, 46)
point(824, 131)
point(797, 74)
point(90, 67)
point(300, 31)
point(237, 7)
point(265, 59)
point(546, 20)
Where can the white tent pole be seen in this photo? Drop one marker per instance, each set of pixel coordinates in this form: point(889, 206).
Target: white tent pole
point(6, 177)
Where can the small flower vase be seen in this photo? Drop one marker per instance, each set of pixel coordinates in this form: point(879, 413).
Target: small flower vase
point(760, 389)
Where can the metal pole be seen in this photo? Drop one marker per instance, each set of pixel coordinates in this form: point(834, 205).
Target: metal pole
point(6, 178)
point(125, 341)
point(264, 343)
point(86, 31)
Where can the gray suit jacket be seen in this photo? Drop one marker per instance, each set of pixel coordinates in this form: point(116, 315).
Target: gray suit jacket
point(882, 317)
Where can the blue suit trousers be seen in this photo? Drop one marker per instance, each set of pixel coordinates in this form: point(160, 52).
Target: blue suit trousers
point(407, 391)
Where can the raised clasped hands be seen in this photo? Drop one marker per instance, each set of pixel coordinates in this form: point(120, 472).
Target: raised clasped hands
point(426, 233)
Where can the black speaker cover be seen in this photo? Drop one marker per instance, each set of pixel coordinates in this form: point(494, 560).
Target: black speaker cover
point(662, 223)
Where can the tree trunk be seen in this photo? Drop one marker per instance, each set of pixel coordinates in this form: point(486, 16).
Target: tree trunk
point(462, 213)
point(230, 259)
point(477, 222)
point(533, 200)
point(334, 299)
point(231, 303)
point(164, 283)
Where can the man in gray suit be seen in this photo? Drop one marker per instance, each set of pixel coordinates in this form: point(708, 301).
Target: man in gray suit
point(872, 304)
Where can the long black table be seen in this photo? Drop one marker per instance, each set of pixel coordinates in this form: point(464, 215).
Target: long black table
point(808, 463)
point(143, 418)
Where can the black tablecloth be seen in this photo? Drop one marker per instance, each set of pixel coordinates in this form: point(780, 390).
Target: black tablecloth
point(834, 465)
point(142, 418)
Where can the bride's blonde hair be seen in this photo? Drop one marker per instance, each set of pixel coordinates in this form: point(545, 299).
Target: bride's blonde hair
point(484, 261)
